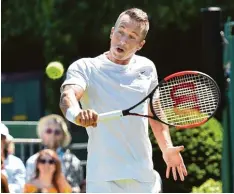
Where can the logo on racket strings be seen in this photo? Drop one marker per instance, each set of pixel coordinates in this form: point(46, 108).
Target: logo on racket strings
point(185, 100)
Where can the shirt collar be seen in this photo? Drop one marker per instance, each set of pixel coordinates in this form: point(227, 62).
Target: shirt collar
point(59, 150)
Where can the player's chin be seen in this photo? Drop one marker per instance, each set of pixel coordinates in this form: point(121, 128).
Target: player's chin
point(120, 56)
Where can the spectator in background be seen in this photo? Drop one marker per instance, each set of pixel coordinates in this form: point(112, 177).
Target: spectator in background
point(14, 169)
point(48, 175)
point(53, 131)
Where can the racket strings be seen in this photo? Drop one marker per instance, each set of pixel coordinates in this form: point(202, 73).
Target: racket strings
point(186, 100)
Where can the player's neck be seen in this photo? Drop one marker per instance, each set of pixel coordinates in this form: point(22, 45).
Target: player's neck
point(120, 62)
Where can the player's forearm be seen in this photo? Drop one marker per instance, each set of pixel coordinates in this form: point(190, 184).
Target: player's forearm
point(70, 95)
point(162, 134)
point(68, 100)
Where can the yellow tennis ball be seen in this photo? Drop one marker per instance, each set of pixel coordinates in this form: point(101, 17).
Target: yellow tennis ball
point(54, 70)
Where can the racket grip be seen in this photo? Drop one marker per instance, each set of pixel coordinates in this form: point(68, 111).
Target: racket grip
point(110, 115)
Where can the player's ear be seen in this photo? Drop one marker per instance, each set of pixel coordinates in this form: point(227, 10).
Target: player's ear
point(112, 31)
point(141, 45)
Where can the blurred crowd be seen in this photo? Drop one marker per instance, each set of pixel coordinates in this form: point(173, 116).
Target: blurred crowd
point(54, 169)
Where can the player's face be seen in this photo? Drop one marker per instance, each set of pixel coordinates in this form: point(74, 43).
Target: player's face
point(52, 135)
point(126, 38)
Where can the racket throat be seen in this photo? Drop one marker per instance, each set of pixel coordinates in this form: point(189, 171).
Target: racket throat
point(126, 112)
point(140, 115)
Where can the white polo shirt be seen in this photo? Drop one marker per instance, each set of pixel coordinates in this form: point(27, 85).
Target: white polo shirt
point(121, 148)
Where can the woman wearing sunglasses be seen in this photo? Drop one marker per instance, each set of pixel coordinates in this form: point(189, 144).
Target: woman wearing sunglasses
point(53, 131)
point(49, 177)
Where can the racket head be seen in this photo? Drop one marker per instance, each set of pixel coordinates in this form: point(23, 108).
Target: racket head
point(185, 99)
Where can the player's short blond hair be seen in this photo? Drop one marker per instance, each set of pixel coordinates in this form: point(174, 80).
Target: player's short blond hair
point(139, 16)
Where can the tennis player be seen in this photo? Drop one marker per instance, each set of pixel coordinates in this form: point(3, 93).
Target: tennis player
point(119, 151)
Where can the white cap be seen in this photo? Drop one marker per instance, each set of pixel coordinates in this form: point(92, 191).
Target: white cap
point(5, 131)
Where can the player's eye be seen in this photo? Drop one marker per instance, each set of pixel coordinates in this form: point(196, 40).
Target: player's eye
point(132, 37)
point(120, 32)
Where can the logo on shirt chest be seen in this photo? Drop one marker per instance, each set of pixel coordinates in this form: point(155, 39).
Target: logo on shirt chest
point(142, 75)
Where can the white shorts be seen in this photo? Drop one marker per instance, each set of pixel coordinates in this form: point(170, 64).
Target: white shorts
point(125, 186)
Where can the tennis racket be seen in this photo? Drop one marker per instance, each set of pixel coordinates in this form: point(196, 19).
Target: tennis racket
point(184, 99)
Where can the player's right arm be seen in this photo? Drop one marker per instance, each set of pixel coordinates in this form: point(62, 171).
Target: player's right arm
point(70, 95)
point(72, 90)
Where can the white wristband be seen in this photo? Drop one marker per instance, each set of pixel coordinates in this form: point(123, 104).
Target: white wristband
point(71, 114)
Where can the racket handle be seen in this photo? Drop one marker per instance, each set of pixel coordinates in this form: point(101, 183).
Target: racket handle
point(110, 115)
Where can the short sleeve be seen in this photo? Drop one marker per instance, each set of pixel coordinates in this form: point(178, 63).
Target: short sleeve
point(78, 74)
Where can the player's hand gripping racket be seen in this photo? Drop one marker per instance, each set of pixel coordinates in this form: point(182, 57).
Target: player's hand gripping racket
point(185, 99)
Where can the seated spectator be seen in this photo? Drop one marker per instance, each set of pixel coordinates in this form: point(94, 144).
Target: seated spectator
point(53, 131)
point(48, 175)
point(14, 169)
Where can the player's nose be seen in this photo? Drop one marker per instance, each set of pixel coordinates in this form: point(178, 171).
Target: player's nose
point(123, 40)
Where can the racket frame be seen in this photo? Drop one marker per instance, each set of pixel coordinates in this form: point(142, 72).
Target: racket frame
point(155, 117)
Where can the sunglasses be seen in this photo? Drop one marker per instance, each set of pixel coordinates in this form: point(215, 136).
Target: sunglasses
point(57, 132)
point(44, 161)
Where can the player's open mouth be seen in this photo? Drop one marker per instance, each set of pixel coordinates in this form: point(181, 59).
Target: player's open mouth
point(120, 50)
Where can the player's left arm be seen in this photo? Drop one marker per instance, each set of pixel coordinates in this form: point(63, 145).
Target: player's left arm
point(171, 154)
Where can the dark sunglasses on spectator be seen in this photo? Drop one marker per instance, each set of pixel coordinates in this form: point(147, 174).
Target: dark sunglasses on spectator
point(44, 161)
point(56, 131)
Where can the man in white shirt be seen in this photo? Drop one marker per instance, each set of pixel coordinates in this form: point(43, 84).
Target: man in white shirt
point(119, 151)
